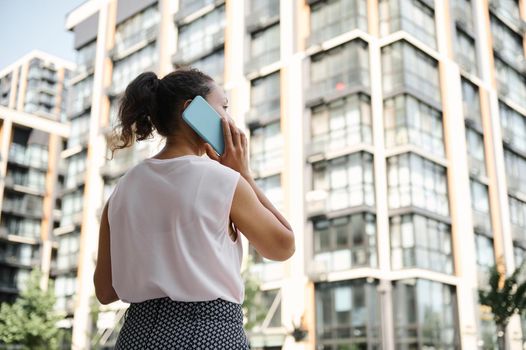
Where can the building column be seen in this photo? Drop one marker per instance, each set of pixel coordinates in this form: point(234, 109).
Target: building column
point(7, 127)
point(462, 234)
point(380, 178)
point(89, 234)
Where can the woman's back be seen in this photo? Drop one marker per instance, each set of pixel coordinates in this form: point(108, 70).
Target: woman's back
point(169, 231)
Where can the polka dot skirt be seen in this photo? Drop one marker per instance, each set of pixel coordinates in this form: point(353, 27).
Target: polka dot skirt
point(168, 324)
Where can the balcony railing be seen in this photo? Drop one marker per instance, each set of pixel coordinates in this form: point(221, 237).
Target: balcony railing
point(22, 155)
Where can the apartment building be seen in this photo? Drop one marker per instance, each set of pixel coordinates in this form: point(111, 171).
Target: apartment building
point(392, 134)
point(33, 133)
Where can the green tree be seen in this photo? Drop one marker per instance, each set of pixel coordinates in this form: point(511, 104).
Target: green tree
point(254, 312)
point(30, 322)
point(506, 297)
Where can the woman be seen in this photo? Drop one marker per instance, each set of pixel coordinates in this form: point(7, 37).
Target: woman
point(167, 242)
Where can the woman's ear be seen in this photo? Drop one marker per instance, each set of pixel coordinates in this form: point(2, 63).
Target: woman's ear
point(186, 103)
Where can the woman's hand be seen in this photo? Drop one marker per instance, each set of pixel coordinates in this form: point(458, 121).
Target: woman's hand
point(235, 155)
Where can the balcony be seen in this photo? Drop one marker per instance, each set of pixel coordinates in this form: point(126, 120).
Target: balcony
point(14, 259)
point(134, 42)
point(23, 208)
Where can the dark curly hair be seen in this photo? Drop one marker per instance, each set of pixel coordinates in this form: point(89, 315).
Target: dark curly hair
point(151, 103)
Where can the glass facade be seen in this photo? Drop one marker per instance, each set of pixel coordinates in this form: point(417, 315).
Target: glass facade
point(264, 47)
point(513, 126)
point(347, 315)
point(345, 242)
point(414, 181)
point(480, 206)
point(471, 103)
point(341, 123)
point(476, 155)
point(415, 17)
point(266, 148)
point(271, 187)
point(510, 83)
point(409, 121)
point(485, 258)
point(425, 315)
point(518, 219)
point(332, 18)
point(348, 181)
point(420, 242)
point(406, 68)
point(265, 99)
point(515, 168)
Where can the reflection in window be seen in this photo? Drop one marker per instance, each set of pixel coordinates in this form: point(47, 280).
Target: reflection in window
point(348, 180)
point(471, 102)
point(513, 127)
point(335, 17)
point(347, 315)
point(271, 187)
point(265, 97)
point(417, 241)
point(406, 67)
point(510, 83)
point(485, 258)
point(415, 181)
point(264, 47)
point(475, 145)
point(409, 121)
point(339, 69)
point(412, 16)
point(465, 51)
point(515, 169)
point(424, 315)
point(342, 123)
point(345, 242)
point(480, 206)
point(201, 36)
point(266, 147)
point(213, 65)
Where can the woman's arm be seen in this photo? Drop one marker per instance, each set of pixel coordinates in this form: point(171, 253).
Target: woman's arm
point(102, 276)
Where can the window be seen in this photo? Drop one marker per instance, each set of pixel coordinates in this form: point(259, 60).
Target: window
point(518, 219)
point(513, 127)
point(76, 167)
point(510, 83)
point(68, 251)
point(515, 169)
point(424, 315)
point(347, 314)
point(213, 65)
point(265, 98)
point(462, 11)
point(24, 227)
point(85, 57)
point(79, 130)
point(480, 206)
point(341, 68)
point(417, 182)
point(507, 43)
point(412, 16)
point(264, 47)
point(348, 180)
point(475, 145)
point(407, 68)
point(465, 52)
point(271, 187)
point(202, 36)
point(266, 148)
point(471, 102)
point(335, 17)
point(485, 258)
point(80, 96)
point(263, 8)
point(65, 287)
point(140, 27)
point(345, 242)
point(342, 123)
point(271, 304)
point(420, 242)
point(127, 69)
point(71, 205)
point(409, 121)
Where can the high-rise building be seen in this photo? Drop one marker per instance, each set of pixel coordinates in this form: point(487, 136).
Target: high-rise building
point(392, 134)
point(33, 132)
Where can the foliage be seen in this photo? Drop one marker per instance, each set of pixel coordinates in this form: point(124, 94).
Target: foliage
point(253, 311)
point(30, 322)
point(506, 297)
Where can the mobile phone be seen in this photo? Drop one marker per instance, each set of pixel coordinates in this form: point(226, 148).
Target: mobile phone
point(206, 122)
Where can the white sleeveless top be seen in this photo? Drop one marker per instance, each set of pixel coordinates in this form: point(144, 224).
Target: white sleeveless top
point(169, 235)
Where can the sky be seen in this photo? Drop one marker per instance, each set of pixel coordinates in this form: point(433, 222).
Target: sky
point(26, 25)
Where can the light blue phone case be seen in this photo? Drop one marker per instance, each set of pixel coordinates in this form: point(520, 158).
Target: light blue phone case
point(206, 122)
